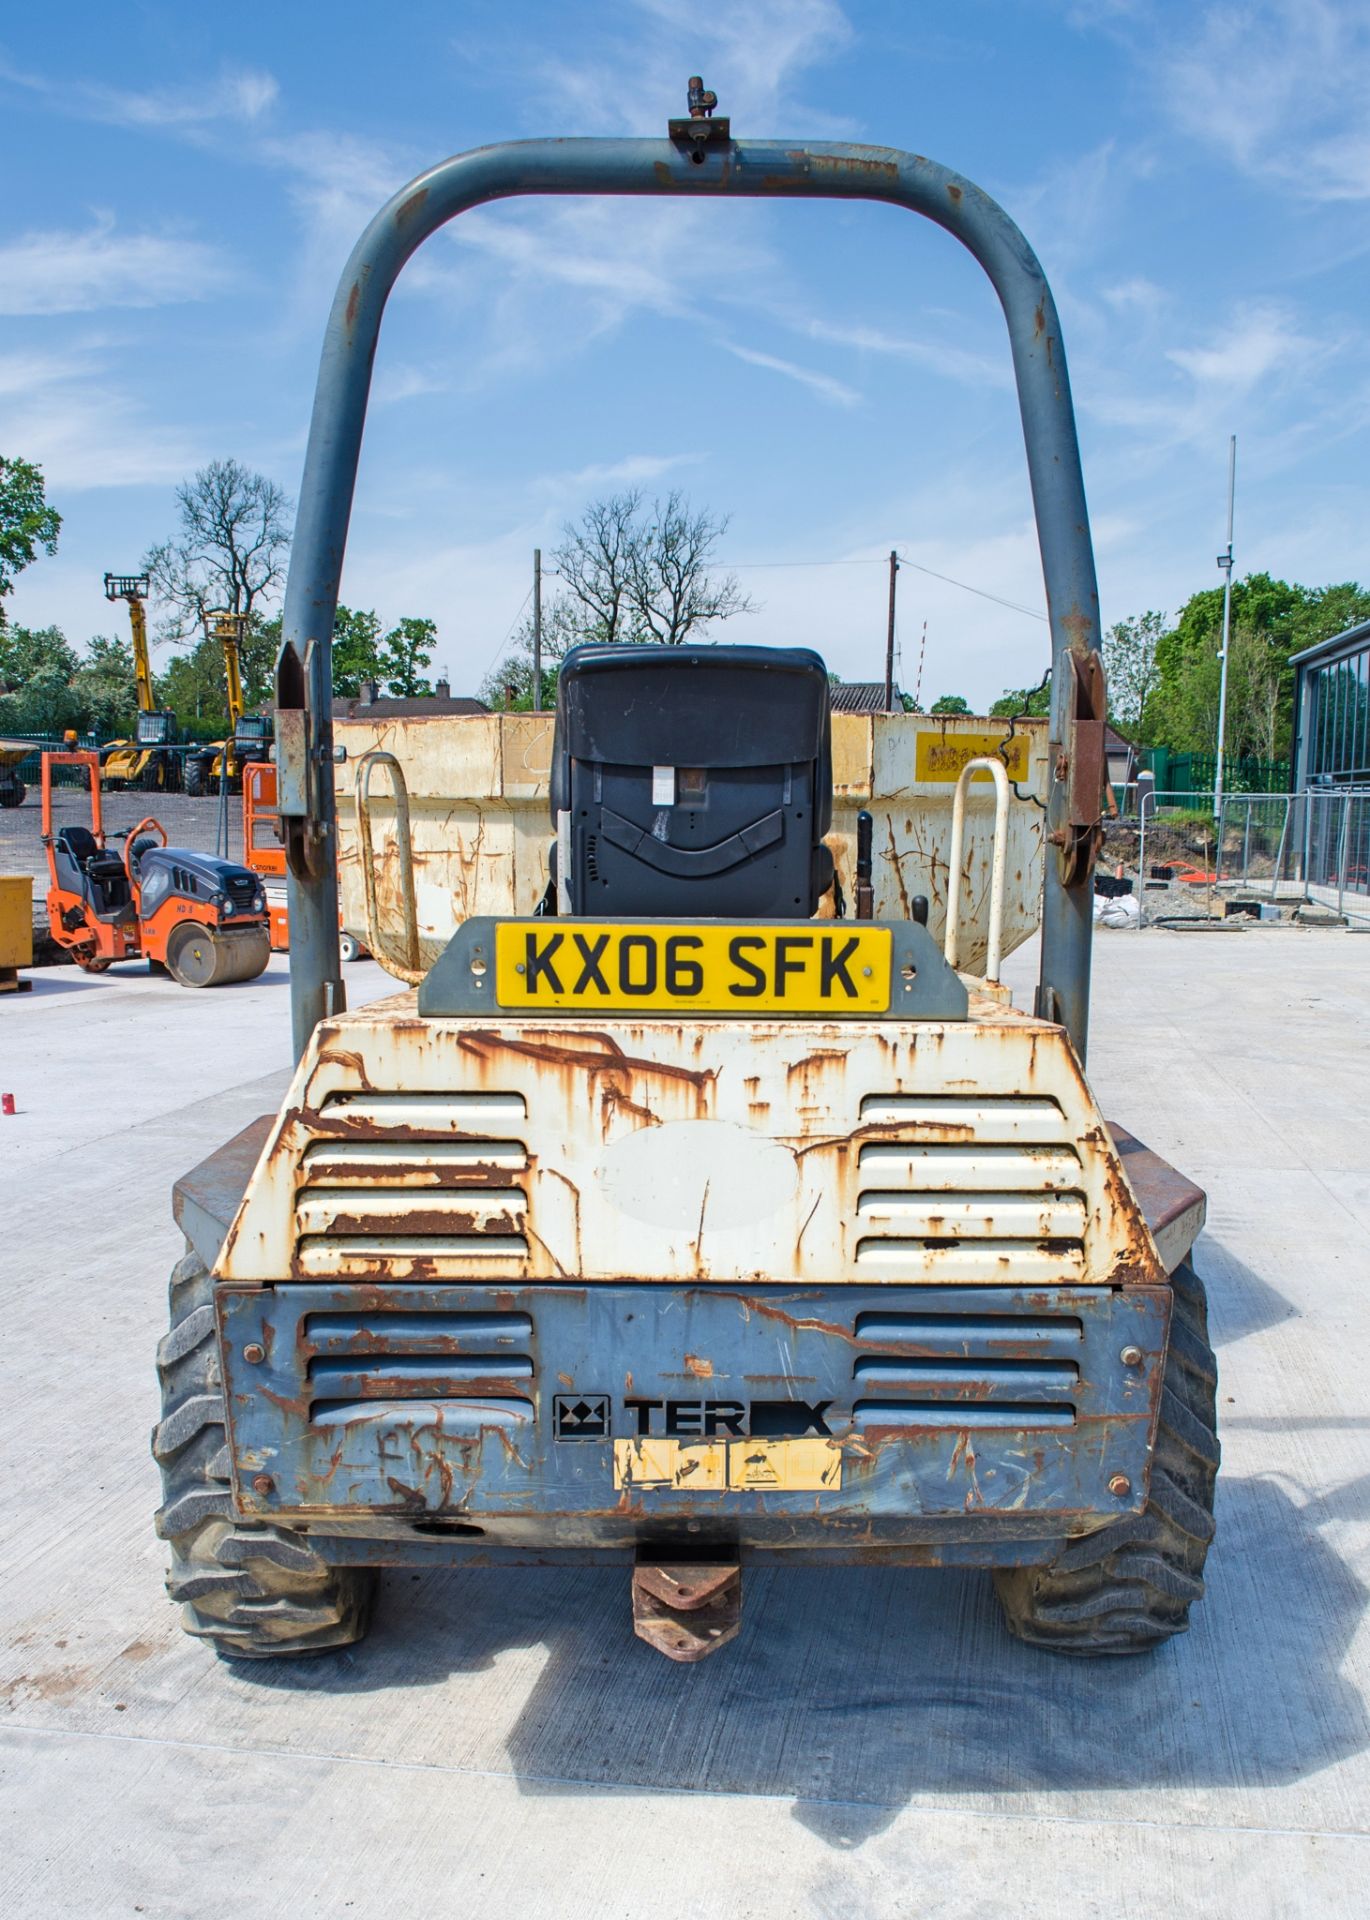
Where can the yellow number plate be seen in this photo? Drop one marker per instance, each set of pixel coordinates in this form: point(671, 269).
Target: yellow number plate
point(805, 967)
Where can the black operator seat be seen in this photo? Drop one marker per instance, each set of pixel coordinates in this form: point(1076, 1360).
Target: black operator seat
point(698, 780)
point(92, 870)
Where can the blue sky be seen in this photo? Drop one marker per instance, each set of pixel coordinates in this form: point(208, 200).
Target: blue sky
point(184, 186)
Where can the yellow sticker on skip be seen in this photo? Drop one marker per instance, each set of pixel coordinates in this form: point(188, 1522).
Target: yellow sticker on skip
point(939, 757)
point(649, 966)
point(729, 1466)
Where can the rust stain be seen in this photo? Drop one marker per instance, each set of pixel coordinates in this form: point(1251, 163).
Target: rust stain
point(700, 1368)
point(860, 166)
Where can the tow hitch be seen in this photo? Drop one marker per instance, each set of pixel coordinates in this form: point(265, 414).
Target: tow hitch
point(690, 1610)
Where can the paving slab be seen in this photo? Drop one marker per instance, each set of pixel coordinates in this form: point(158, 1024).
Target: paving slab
point(873, 1744)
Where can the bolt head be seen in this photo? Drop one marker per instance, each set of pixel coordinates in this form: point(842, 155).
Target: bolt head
point(1120, 1486)
point(1131, 1356)
point(254, 1354)
point(263, 1484)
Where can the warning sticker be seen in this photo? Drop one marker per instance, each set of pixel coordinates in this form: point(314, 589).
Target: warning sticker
point(939, 757)
point(729, 1466)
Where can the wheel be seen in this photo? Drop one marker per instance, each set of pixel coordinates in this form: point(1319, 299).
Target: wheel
point(192, 956)
point(349, 948)
point(244, 953)
point(200, 956)
point(1131, 1586)
point(254, 1591)
point(153, 778)
point(12, 791)
point(197, 776)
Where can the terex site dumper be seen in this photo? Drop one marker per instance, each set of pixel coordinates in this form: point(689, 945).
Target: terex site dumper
point(698, 1219)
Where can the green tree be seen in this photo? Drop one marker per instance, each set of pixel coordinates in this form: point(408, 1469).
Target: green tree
point(949, 703)
point(356, 651)
point(1271, 620)
point(27, 523)
point(1016, 700)
point(105, 685)
point(404, 652)
point(1131, 671)
point(36, 669)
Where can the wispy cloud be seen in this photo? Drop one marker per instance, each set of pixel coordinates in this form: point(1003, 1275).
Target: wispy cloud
point(1276, 86)
point(954, 363)
point(72, 419)
point(822, 384)
point(759, 56)
point(634, 470)
point(82, 272)
point(1135, 295)
point(236, 94)
point(1260, 343)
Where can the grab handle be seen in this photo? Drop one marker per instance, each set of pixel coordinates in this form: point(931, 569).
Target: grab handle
point(998, 871)
point(410, 969)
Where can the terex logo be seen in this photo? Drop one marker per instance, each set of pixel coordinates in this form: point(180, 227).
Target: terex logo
point(729, 1419)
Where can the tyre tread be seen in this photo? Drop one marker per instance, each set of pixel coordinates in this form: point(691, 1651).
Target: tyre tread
point(255, 1591)
point(1130, 1586)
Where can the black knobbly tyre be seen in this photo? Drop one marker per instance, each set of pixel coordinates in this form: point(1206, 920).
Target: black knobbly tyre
point(254, 1591)
point(1131, 1586)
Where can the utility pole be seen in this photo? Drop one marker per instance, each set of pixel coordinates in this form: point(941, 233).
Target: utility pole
point(1225, 562)
point(889, 638)
point(537, 629)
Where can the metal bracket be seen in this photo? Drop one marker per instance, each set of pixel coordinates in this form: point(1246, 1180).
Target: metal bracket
point(695, 136)
point(462, 980)
point(1082, 765)
point(688, 1610)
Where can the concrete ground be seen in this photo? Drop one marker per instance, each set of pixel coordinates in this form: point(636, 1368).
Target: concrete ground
point(873, 1745)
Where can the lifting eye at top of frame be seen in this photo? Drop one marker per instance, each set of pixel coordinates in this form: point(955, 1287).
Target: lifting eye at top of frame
point(701, 130)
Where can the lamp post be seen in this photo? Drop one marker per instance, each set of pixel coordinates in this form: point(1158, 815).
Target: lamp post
point(1225, 562)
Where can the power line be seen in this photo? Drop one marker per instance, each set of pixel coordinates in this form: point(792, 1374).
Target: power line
point(965, 587)
point(499, 651)
point(755, 566)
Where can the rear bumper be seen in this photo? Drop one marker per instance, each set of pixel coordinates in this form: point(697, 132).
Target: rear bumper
point(933, 1424)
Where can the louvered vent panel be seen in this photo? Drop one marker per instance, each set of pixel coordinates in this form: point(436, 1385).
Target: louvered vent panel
point(464, 1371)
point(977, 1189)
point(410, 1185)
point(965, 1370)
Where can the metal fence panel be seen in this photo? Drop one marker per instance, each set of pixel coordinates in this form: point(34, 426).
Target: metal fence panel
point(1311, 847)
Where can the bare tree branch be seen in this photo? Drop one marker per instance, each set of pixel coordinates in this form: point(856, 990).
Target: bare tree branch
point(229, 553)
point(643, 574)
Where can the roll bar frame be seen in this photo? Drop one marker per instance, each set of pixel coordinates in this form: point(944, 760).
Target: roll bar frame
point(688, 166)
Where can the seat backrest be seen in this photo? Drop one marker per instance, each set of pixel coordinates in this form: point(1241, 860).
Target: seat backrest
point(698, 780)
point(80, 843)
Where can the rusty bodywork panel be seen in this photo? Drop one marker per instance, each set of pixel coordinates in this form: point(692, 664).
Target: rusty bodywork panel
point(743, 1151)
point(1002, 1415)
point(516, 1286)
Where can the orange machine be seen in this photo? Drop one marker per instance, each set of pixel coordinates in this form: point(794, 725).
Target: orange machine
point(200, 918)
point(263, 852)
